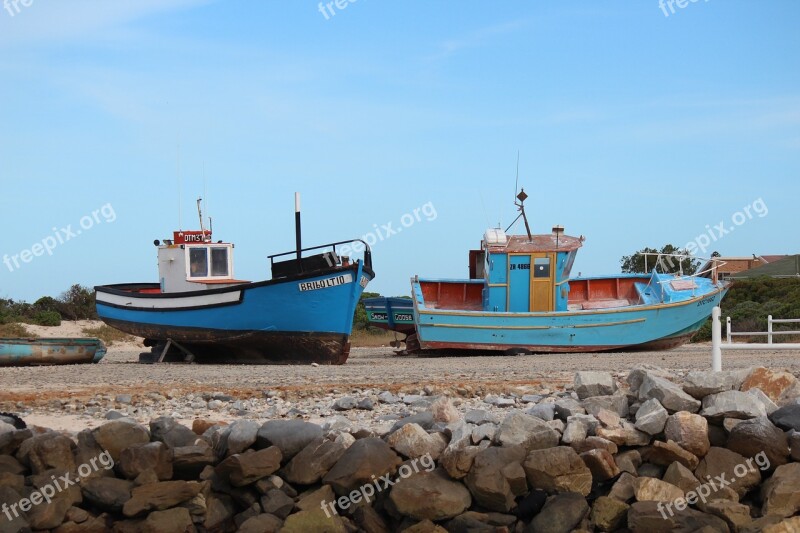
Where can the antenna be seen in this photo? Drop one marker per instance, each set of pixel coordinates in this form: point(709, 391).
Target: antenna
point(205, 191)
point(180, 214)
point(297, 232)
point(200, 215)
point(521, 197)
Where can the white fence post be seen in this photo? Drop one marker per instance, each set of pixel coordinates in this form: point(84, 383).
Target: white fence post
point(769, 329)
point(728, 330)
point(716, 340)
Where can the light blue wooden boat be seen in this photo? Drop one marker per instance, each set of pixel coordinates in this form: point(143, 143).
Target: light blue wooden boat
point(520, 298)
point(624, 312)
point(50, 351)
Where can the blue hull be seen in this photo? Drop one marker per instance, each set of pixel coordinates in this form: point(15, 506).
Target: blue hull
point(306, 318)
point(45, 352)
point(393, 314)
point(644, 326)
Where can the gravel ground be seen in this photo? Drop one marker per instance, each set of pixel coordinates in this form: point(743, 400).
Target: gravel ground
point(72, 398)
point(119, 373)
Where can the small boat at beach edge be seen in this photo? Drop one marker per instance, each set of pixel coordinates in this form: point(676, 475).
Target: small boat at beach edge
point(50, 351)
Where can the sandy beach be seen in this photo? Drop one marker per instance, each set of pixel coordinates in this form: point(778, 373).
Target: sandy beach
point(80, 396)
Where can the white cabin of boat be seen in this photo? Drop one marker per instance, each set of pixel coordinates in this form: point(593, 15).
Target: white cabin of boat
point(192, 262)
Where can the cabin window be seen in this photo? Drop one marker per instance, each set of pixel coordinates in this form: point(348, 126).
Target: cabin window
point(209, 262)
point(570, 262)
point(219, 262)
point(541, 267)
point(198, 262)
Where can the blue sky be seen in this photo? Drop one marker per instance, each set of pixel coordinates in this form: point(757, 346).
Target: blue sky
point(634, 128)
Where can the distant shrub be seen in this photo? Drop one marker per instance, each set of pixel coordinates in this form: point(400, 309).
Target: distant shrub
point(47, 318)
point(46, 303)
point(12, 311)
point(77, 303)
point(749, 302)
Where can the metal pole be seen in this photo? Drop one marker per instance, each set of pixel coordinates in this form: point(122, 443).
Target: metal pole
point(297, 226)
point(716, 340)
point(769, 329)
point(728, 324)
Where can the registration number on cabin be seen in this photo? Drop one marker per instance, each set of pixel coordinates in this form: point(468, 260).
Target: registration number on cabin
point(325, 283)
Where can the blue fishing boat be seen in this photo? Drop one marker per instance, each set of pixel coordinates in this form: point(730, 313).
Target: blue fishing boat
point(199, 311)
point(520, 298)
point(393, 314)
point(50, 351)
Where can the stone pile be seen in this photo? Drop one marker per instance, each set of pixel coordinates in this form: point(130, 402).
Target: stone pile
point(651, 452)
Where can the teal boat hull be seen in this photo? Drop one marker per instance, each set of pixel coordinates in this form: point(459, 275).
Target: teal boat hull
point(50, 351)
point(647, 326)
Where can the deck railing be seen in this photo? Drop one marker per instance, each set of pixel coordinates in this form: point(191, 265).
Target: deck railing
point(333, 245)
point(658, 262)
point(680, 257)
point(717, 345)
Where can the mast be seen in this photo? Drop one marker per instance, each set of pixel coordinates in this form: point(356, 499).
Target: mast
point(521, 206)
point(297, 232)
point(200, 215)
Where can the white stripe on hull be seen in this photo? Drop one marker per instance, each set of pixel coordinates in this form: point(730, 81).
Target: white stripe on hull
point(169, 303)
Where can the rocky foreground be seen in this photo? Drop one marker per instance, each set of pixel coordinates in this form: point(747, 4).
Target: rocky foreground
point(647, 451)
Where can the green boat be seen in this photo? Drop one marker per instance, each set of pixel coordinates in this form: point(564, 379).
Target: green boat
point(50, 351)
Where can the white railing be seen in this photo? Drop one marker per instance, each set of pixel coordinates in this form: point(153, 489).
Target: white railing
point(770, 332)
point(680, 257)
point(658, 262)
point(717, 345)
point(659, 258)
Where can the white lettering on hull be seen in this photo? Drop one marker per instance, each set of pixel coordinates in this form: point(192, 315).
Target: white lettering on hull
point(325, 283)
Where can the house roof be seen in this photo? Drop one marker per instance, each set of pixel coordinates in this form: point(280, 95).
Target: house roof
point(772, 258)
point(788, 267)
point(730, 264)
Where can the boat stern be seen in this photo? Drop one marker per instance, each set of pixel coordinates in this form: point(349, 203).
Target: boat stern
point(100, 351)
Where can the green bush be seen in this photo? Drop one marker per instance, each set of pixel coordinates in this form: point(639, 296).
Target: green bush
point(47, 318)
point(704, 333)
point(12, 311)
point(46, 303)
point(77, 303)
point(749, 302)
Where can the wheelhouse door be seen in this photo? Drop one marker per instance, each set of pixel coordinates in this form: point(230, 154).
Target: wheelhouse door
point(542, 280)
